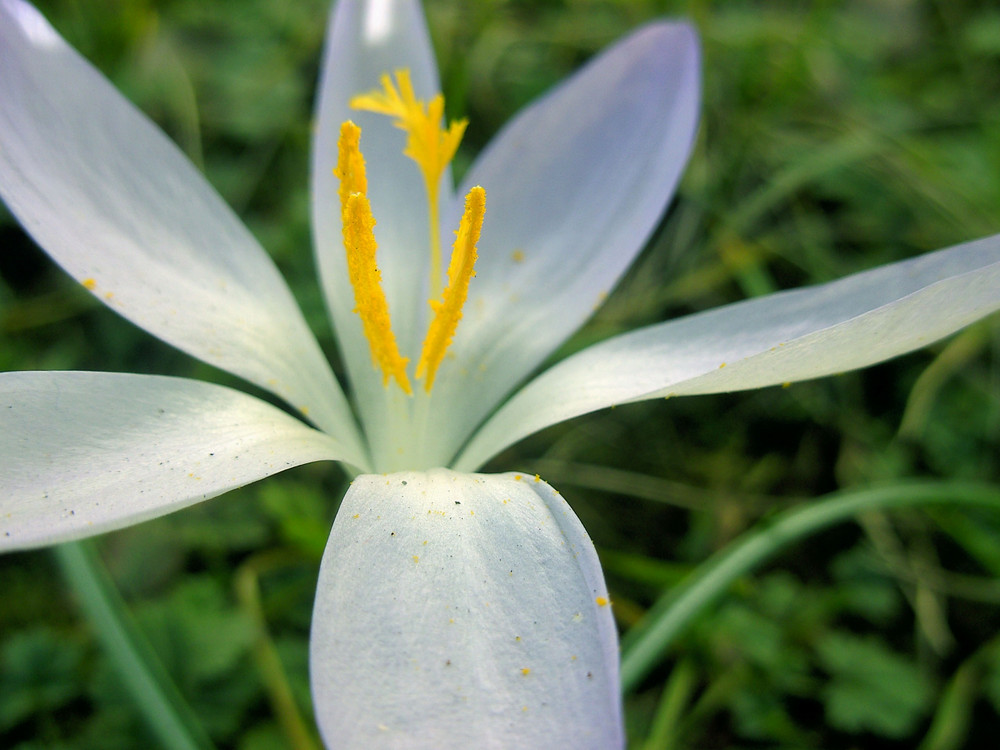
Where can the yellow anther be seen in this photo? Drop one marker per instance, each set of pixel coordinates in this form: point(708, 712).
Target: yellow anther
point(461, 269)
point(359, 243)
point(350, 169)
point(427, 143)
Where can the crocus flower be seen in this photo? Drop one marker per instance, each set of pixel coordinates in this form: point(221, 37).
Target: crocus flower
point(453, 609)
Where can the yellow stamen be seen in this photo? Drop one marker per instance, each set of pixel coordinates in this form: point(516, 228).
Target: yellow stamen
point(350, 169)
point(359, 242)
point(432, 147)
point(461, 269)
point(428, 144)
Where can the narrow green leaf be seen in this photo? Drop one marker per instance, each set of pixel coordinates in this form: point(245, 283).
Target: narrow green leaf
point(644, 646)
point(157, 699)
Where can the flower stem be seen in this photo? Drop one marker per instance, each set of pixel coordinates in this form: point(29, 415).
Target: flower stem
point(950, 726)
point(140, 669)
point(269, 664)
point(674, 701)
point(643, 647)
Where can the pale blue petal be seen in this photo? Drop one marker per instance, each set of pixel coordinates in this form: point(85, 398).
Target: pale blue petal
point(86, 452)
point(462, 611)
point(115, 203)
point(366, 39)
point(807, 333)
point(575, 185)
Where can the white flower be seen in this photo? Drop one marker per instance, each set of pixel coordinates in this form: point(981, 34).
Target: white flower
point(453, 609)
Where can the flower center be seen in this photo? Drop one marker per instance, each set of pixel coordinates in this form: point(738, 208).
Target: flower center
point(432, 148)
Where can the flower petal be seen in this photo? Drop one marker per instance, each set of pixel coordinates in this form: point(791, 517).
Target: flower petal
point(797, 335)
point(459, 610)
point(87, 452)
point(366, 39)
point(115, 203)
point(575, 185)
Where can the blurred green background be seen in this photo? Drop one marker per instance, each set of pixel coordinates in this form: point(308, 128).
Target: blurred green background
point(836, 136)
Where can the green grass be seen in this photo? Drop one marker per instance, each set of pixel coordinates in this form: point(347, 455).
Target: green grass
point(836, 136)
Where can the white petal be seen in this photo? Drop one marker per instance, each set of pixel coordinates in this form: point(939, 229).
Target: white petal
point(575, 185)
point(366, 39)
point(807, 333)
point(115, 203)
point(86, 452)
point(462, 611)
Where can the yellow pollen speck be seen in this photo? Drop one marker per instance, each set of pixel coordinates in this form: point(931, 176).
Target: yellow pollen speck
point(304, 410)
point(448, 310)
point(416, 558)
point(538, 478)
point(786, 385)
point(525, 671)
point(601, 601)
point(356, 515)
point(108, 295)
point(89, 284)
point(517, 256)
point(722, 365)
point(359, 243)
point(517, 477)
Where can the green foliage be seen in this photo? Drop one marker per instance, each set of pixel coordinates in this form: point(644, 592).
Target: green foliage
point(835, 137)
point(872, 688)
point(37, 675)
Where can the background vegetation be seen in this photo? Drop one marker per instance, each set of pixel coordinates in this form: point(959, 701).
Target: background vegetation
point(836, 136)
